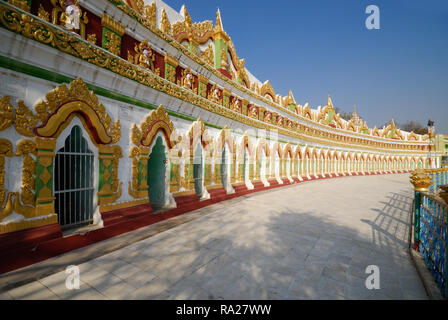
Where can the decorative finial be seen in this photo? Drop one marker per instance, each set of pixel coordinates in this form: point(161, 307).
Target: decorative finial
point(329, 102)
point(218, 25)
point(184, 13)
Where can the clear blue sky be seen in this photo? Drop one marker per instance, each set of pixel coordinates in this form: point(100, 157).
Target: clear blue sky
point(322, 47)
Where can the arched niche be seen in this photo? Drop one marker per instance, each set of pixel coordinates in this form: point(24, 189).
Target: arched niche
point(61, 110)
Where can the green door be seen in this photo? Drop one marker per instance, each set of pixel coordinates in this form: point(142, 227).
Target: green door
point(156, 175)
point(198, 170)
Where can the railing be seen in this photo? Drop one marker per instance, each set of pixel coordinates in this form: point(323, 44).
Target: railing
point(430, 222)
point(438, 177)
point(433, 239)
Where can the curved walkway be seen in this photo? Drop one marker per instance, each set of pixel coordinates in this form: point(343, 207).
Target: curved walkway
point(312, 240)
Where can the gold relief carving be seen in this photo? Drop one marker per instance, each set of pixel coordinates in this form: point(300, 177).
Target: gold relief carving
point(218, 31)
point(64, 101)
point(61, 18)
point(8, 208)
point(157, 120)
point(45, 143)
point(254, 89)
point(22, 4)
point(170, 73)
point(5, 151)
point(150, 13)
point(92, 38)
point(25, 120)
point(412, 136)
point(69, 44)
point(198, 132)
point(41, 13)
point(171, 60)
point(207, 55)
point(187, 79)
point(133, 183)
point(253, 112)
point(136, 135)
point(268, 116)
point(6, 117)
point(140, 6)
point(202, 79)
point(113, 43)
point(109, 193)
point(195, 33)
point(165, 25)
point(144, 57)
point(266, 89)
point(213, 95)
point(112, 24)
point(420, 180)
point(25, 148)
point(235, 106)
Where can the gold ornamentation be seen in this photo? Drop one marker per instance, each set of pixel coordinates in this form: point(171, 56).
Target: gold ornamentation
point(150, 13)
point(22, 4)
point(165, 25)
point(112, 24)
point(61, 18)
point(8, 208)
point(266, 90)
point(187, 79)
point(420, 180)
point(92, 38)
point(254, 87)
point(5, 151)
point(253, 112)
point(113, 43)
point(65, 42)
point(110, 192)
point(194, 33)
point(198, 132)
point(41, 13)
point(145, 57)
point(6, 118)
point(64, 101)
point(207, 55)
point(235, 106)
point(157, 120)
point(218, 31)
point(214, 94)
point(25, 120)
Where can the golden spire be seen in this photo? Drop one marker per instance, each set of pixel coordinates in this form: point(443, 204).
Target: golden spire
point(187, 17)
point(392, 124)
point(218, 24)
point(218, 31)
point(329, 103)
point(354, 109)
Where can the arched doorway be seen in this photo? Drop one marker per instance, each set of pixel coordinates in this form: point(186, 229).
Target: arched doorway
point(157, 175)
point(198, 170)
point(306, 165)
point(225, 163)
point(74, 181)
